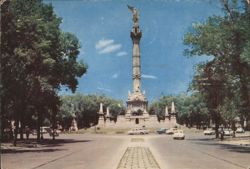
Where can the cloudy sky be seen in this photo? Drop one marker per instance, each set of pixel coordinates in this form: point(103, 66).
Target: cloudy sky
point(103, 28)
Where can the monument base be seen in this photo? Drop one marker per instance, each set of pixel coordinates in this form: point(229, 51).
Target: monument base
point(151, 122)
point(101, 122)
point(73, 126)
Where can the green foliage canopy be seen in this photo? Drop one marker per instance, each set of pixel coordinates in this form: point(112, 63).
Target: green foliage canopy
point(227, 75)
point(37, 58)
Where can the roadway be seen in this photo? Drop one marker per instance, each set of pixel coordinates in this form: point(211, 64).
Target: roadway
point(97, 151)
point(199, 152)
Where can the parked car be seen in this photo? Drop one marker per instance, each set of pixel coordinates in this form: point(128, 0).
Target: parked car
point(209, 132)
point(161, 131)
point(240, 130)
point(179, 135)
point(228, 132)
point(56, 132)
point(138, 131)
point(171, 131)
point(45, 130)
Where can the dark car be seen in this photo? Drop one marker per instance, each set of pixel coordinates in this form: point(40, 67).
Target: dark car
point(161, 131)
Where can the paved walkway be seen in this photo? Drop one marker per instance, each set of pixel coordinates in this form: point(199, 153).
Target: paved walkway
point(138, 156)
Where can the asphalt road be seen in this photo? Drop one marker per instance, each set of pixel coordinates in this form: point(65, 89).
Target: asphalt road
point(72, 151)
point(199, 152)
point(82, 151)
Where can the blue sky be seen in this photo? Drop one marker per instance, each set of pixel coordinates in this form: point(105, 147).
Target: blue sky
point(103, 28)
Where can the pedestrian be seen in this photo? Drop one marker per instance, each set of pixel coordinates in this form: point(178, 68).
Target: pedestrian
point(27, 131)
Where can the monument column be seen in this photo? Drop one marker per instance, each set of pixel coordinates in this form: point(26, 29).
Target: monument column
point(137, 101)
point(136, 36)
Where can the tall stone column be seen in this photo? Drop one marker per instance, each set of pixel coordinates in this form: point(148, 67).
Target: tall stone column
point(136, 36)
point(137, 101)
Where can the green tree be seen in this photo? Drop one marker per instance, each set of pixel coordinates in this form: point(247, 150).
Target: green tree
point(37, 59)
point(86, 108)
point(229, 113)
point(226, 39)
point(191, 110)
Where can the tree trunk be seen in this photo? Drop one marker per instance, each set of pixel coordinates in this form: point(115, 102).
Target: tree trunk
point(39, 126)
point(234, 128)
point(22, 114)
point(216, 129)
point(2, 125)
point(53, 124)
point(16, 132)
point(244, 97)
point(21, 129)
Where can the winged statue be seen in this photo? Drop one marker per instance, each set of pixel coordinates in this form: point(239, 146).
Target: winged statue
point(135, 13)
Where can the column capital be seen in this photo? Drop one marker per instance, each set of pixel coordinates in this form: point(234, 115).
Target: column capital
point(135, 36)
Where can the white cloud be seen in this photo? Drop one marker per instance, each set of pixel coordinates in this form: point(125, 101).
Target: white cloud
point(148, 76)
point(103, 43)
point(114, 76)
point(104, 89)
point(122, 53)
point(110, 48)
point(105, 46)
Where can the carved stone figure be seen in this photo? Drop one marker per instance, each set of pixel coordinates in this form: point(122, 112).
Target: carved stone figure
point(135, 13)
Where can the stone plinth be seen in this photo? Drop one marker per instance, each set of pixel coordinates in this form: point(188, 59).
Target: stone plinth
point(73, 125)
point(101, 119)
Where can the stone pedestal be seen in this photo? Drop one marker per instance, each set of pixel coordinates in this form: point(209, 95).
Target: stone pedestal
point(101, 119)
point(108, 116)
point(137, 108)
point(73, 125)
point(173, 122)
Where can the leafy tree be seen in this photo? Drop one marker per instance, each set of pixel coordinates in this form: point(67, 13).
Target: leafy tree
point(229, 113)
point(85, 108)
point(37, 59)
point(191, 110)
point(226, 39)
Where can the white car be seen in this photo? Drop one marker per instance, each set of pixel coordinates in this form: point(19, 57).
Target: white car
point(179, 135)
point(228, 132)
point(138, 131)
point(171, 131)
point(43, 130)
point(209, 132)
point(240, 130)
